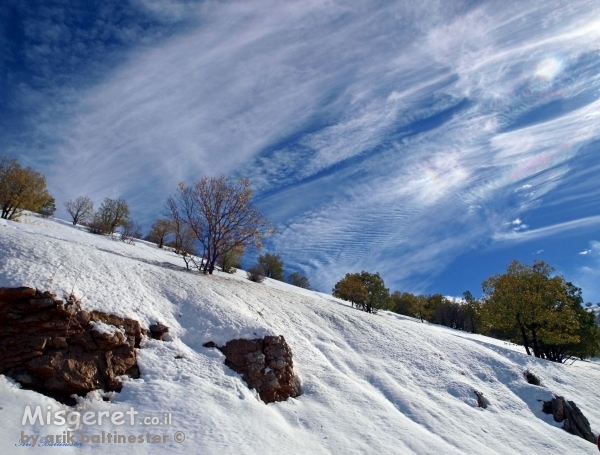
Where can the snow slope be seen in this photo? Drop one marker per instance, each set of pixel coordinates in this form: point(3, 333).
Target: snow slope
point(371, 383)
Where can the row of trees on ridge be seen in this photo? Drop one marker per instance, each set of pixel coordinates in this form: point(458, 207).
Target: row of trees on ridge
point(525, 305)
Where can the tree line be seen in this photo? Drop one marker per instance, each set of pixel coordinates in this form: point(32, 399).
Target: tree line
point(527, 305)
point(210, 223)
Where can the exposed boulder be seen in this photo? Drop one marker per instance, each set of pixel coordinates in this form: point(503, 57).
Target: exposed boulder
point(482, 401)
point(575, 422)
point(158, 330)
point(265, 365)
point(56, 348)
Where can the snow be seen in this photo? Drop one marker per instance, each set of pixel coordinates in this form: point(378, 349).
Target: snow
point(380, 383)
point(105, 329)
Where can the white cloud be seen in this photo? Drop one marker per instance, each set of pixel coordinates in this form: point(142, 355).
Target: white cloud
point(423, 95)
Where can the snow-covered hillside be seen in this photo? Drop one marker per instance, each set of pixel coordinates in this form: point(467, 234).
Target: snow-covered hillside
point(371, 384)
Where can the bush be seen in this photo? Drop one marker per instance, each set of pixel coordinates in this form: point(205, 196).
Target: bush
point(298, 280)
point(272, 265)
point(256, 273)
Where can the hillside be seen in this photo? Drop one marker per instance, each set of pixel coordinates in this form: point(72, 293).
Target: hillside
point(371, 383)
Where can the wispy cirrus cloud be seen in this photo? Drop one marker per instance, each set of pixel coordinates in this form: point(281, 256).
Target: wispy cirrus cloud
point(387, 137)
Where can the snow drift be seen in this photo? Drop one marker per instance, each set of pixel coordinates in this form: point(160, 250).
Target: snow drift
point(370, 383)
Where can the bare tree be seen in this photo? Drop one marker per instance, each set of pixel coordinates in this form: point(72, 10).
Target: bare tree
point(256, 273)
point(130, 230)
point(220, 214)
point(160, 230)
point(81, 209)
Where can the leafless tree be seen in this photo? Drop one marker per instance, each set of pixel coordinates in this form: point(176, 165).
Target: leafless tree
point(130, 230)
point(220, 214)
point(81, 209)
point(160, 231)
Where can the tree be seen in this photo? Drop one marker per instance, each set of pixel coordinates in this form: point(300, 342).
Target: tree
point(422, 308)
point(130, 230)
point(231, 259)
point(48, 208)
point(220, 214)
point(351, 288)
point(365, 290)
point(112, 214)
point(272, 265)
point(81, 209)
point(473, 309)
point(160, 231)
point(403, 303)
point(378, 294)
point(296, 279)
point(21, 189)
point(543, 312)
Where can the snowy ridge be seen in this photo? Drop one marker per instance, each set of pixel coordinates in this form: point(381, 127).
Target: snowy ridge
point(380, 383)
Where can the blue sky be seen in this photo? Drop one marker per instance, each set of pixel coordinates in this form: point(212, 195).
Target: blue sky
point(430, 141)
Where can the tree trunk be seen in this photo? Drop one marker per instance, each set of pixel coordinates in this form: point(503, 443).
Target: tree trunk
point(536, 347)
point(525, 341)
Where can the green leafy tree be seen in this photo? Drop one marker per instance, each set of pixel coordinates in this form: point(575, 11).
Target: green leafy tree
point(365, 290)
point(113, 213)
point(272, 266)
point(378, 294)
point(296, 279)
point(527, 305)
point(232, 259)
point(352, 289)
point(403, 303)
point(48, 208)
point(473, 310)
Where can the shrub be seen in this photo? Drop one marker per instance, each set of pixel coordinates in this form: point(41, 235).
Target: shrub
point(256, 273)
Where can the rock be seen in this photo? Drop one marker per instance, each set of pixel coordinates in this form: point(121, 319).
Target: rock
point(482, 402)
point(158, 330)
point(55, 347)
point(265, 365)
point(575, 422)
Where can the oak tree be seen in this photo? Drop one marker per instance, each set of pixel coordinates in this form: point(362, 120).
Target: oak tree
point(220, 214)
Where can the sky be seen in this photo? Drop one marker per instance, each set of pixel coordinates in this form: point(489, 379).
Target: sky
point(432, 142)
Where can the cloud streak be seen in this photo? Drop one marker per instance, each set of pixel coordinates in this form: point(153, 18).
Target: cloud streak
point(388, 137)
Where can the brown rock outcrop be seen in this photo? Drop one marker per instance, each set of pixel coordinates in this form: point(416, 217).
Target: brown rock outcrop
point(575, 422)
point(265, 365)
point(58, 349)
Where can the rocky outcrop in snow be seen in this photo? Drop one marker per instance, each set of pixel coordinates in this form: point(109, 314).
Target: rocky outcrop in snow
point(265, 364)
point(575, 422)
point(58, 349)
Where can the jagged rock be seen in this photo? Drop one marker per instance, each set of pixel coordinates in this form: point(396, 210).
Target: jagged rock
point(58, 349)
point(265, 365)
point(567, 411)
point(482, 402)
point(158, 330)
